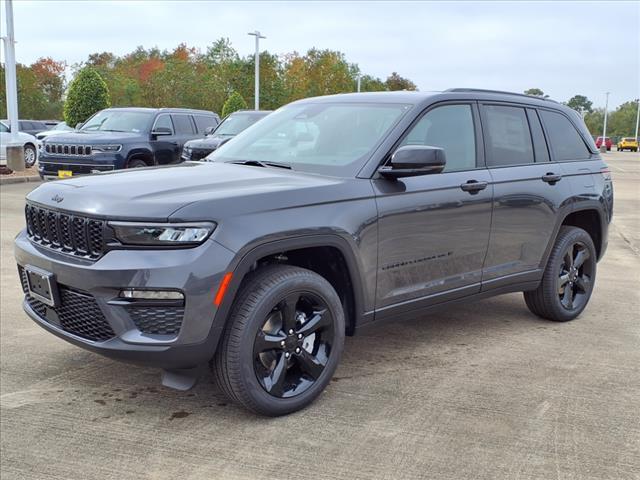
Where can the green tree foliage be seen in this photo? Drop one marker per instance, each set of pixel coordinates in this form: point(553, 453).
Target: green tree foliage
point(580, 103)
point(234, 103)
point(620, 123)
point(88, 94)
point(536, 92)
point(396, 82)
point(40, 89)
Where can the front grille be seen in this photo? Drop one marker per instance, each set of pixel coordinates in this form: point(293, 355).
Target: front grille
point(76, 235)
point(157, 320)
point(78, 312)
point(74, 150)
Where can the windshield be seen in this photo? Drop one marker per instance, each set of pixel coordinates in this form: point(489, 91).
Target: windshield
point(234, 124)
point(328, 138)
point(118, 121)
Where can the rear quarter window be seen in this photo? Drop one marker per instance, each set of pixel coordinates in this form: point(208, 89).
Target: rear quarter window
point(565, 141)
point(205, 121)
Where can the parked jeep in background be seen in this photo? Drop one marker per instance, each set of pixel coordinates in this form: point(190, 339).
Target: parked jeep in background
point(118, 138)
point(230, 126)
point(628, 143)
point(330, 214)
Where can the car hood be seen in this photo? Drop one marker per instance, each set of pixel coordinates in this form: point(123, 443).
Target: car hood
point(50, 133)
point(94, 138)
point(210, 142)
point(210, 190)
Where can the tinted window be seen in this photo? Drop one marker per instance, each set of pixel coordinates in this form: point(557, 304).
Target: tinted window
point(566, 142)
point(451, 128)
point(539, 143)
point(24, 125)
point(507, 136)
point(183, 124)
point(164, 121)
point(204, 121)
point(118, 121)
point(4, 128)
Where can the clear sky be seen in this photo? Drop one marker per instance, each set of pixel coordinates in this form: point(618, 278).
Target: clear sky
point(564, 48)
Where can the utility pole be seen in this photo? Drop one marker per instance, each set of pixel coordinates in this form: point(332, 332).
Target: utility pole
point(603, 145)
point(15, 152)
point(257, 64)
point(637, 119)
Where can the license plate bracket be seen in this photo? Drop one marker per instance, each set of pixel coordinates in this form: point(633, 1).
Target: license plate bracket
point(42, 286)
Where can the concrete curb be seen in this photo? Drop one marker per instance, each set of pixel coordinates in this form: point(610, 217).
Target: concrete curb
point(10, 180)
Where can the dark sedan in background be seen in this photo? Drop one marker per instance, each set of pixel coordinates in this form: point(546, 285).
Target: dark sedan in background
point(230, 126)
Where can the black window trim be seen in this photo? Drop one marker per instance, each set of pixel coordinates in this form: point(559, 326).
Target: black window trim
point(477, 128)
point(552, 152)
point(545, 139)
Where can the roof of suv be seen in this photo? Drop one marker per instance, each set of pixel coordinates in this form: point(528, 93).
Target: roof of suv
point(164, 110)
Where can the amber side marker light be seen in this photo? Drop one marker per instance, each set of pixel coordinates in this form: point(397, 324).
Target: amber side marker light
point(224, 284)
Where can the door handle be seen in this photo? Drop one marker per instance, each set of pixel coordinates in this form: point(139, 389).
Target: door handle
point(551, 178)
point(473, 186)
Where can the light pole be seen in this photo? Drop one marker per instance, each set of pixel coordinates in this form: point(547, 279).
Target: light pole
point(359, 77)
point(603, 145)
point(637, 119)
point(257, 62)
point(15, 155)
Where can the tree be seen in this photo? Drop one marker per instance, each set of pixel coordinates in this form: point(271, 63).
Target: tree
point(536, 92)
point(88, 94)
point(234, 103)
point(622, 122)
point(396, 82)
point(581, 104)
point(595, 121)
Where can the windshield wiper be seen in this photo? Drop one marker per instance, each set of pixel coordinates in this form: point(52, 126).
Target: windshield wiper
point(258, 163)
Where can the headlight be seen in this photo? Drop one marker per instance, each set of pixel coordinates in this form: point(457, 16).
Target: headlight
point(162, 234)
point(106, 148)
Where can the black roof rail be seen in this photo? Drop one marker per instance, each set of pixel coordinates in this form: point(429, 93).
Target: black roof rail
point(501, 92)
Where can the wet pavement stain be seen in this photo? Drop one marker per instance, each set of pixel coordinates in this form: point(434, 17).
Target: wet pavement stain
point(100, 401)
point(180, 414)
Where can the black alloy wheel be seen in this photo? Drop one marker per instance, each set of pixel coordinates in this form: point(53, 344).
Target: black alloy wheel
point(293, 346)
point(574, 280)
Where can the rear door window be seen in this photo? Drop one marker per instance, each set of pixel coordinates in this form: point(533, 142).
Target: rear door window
point(183, 124)
point(539, 143)
point(566, 143)
point(507, 136)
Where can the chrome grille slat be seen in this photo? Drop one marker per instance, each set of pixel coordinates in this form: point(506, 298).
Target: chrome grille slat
point(72, 234)
point(68, 149)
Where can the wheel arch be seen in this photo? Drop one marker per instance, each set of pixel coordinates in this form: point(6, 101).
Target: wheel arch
point(304, 251)
point(141, 154)
point(591, 218)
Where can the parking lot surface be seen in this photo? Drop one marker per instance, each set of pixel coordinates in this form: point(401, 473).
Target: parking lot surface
point(483, 391)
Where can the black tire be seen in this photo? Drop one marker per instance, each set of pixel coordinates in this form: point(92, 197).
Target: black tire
point(136, 163)
point(239, 364)
point(566, 286)
point(30, 155)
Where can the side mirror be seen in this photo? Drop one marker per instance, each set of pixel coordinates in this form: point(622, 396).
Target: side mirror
point(79, 125)
point(160, 131)
point(209, 130)
point(414, 160)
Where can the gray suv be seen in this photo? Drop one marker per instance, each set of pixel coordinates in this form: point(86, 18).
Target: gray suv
point(329, 215)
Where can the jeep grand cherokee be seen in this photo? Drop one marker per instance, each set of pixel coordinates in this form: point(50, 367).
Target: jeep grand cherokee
point(330, 214)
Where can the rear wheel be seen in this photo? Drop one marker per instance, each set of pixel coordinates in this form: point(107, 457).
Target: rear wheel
point(283, 340)
point(568, 277)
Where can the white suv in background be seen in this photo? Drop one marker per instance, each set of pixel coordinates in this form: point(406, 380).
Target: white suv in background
point(29, 143)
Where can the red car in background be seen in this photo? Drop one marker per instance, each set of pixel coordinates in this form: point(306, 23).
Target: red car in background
point(607, 142)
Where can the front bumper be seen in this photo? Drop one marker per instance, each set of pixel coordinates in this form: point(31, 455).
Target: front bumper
point(197, 272)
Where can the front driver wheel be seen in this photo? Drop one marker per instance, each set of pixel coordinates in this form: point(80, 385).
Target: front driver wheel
point(29, 155)
point(283, 340)
point(568, 277)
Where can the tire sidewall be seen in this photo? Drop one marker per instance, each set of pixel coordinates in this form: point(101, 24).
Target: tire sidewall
point(32, 163)
point(301, 283)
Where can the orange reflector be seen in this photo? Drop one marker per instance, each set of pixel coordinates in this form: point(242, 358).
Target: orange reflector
point(223, 288)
